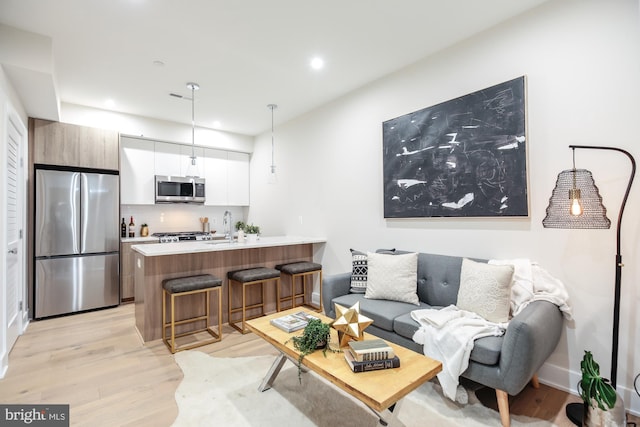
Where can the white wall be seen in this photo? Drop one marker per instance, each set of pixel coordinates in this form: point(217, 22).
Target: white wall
point(582, 62)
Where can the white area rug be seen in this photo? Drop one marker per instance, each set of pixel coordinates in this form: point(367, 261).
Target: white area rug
point(224, 392)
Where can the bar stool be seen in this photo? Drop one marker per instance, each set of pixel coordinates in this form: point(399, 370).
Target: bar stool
point(245, 278)
point(182, 286)
point(301, 269)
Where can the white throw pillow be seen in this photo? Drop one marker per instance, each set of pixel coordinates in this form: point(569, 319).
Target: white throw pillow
point(485, 289)
point(393, 277)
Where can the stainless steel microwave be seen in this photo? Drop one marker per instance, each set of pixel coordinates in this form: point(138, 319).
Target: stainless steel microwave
point(179, 189)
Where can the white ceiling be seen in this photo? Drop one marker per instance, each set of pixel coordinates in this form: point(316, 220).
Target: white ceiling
point(245, 54)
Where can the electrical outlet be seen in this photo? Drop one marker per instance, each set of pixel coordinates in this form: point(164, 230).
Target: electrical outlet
point(300, 219)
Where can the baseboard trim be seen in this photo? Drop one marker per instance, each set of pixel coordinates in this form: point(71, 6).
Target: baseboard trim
point(551, 374)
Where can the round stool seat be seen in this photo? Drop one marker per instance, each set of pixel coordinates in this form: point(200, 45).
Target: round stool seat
point(253, 274)
point(190, 283)
point(299, 267)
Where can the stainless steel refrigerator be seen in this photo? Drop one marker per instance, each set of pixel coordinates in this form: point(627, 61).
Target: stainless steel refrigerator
point(76, 240)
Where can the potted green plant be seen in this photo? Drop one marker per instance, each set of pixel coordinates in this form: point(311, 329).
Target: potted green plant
point(599, 396)
point(240, 227)
point(315, 336)
point(252, 232)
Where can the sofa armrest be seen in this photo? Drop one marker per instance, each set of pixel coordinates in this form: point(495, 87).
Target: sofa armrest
point(530, 339)
point(332, 287)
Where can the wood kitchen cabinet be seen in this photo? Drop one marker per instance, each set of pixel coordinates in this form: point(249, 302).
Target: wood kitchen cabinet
point(65, 144)
point(127, 270)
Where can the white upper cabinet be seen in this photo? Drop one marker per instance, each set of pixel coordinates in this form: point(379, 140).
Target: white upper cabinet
point(215, 174)
point(226, 173)
point(137, 179)
point(238, 176)
point(167, 159)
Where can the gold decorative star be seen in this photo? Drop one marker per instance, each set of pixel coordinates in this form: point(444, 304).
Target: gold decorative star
point(350, 324)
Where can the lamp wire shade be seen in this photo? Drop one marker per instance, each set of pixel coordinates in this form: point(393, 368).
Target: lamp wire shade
point(594, 214)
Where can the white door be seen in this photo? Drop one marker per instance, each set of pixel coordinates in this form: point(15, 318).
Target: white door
point(14, 217)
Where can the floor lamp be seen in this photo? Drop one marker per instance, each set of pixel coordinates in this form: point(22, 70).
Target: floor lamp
point(576, 203)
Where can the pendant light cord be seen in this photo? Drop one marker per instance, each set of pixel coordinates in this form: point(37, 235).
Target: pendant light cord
point(193, 87)
point(193, 124)
point(273, 162)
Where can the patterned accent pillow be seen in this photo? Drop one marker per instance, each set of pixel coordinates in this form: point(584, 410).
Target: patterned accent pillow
point(358, 271)
point(485, 289)
point(393, 278)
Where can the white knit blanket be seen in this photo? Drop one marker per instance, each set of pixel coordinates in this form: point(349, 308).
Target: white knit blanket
point(448, 335)
point(533, 283)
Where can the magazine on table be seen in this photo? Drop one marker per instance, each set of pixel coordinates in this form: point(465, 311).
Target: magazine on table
point(293, 322)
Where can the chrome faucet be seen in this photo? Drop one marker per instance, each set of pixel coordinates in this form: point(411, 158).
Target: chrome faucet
point(227, 221)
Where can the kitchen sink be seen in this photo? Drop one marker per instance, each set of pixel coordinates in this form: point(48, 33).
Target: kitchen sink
point(217, 242)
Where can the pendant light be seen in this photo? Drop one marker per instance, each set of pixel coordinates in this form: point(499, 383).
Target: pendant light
point(191, 169)
point(272, 168)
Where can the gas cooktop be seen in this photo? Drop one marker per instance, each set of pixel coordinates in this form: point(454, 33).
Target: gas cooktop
point(182, 236)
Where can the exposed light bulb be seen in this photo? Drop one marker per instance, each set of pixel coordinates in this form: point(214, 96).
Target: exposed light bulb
point(576, 207)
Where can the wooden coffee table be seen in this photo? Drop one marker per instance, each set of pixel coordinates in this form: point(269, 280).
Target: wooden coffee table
point(379, 390)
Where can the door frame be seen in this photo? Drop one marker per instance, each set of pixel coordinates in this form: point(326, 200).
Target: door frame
point(11, 117)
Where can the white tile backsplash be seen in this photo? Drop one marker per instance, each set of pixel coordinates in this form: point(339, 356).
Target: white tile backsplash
point(178, 217)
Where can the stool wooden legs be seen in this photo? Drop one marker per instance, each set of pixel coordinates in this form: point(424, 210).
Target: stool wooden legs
point(304, 295)
point(244, 307)
point(170, 340)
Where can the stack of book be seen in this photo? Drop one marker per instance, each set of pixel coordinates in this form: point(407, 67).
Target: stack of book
point(293, 322)
point(370, 355)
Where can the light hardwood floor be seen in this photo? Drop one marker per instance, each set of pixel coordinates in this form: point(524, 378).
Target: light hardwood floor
point(97, 363)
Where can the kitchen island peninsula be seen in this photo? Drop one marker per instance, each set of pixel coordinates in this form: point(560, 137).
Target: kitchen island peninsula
point(158, 261)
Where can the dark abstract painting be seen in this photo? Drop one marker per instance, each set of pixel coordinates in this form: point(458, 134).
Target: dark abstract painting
point(465, 157)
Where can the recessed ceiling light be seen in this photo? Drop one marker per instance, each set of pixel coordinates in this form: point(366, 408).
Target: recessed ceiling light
point(109, 103)
point(317, 63)
point(216, 124)
point(158, 63)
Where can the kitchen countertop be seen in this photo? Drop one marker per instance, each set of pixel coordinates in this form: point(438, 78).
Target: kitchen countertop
point(139, 239)
point(179, 248)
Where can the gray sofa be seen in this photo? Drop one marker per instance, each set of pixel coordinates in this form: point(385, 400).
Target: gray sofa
point(505, 363)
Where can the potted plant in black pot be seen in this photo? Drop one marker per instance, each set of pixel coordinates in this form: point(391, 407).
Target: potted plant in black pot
point(602, 405)
point(315, 336)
